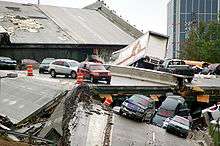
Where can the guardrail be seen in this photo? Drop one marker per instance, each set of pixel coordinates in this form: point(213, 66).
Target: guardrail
point(144, 74)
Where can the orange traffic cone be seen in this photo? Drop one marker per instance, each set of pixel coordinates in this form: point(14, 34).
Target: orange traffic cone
point(79, 78)
point(29, 70)
point(108, 101)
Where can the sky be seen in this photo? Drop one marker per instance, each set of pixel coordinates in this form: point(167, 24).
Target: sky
point(144, 14)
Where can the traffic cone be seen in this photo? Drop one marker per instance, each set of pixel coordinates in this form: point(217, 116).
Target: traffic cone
point(29, 70)
point(79, 78)
point(108, 101)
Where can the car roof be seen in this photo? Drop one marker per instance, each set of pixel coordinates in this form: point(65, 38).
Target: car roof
point(49, 58)
point(175, 59)
point(170, 103)
point(177, 97)
point(91, 63)
point(143, 96)
point(67, 60)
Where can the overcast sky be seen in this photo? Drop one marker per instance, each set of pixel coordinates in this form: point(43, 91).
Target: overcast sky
point(145, 14)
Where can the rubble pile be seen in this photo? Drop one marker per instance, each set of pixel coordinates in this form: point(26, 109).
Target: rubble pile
point(22, 23)
point(80, 93)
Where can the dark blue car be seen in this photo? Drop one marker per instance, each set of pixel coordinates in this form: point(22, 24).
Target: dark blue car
point(138, 107)
point(7, 63)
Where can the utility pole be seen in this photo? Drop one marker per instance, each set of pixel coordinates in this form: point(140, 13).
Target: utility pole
point(38, 2)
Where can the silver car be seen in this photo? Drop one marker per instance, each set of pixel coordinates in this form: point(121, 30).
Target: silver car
point(63, 67)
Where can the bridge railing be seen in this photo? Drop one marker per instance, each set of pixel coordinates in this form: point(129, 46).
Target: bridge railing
point(144, 74)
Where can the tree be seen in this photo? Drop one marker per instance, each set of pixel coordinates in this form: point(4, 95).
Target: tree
point(203, 43)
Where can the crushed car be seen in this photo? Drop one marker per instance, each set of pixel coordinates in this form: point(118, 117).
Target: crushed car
point(171, 106)
point(138, 107)
point(179, 126)
point(177, 66)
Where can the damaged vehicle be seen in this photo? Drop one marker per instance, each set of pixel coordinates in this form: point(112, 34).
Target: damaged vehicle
point(177, 66)
point(179, 126)
point(171, 106)
point(138, 107)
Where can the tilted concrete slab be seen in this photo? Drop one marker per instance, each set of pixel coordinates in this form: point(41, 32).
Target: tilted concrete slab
point(22, 96)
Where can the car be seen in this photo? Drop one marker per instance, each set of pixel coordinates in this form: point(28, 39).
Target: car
point(179, 126)
point(7, 63)
point(95, 72)
point(177, 66)
point(171, 106)
point(138, 107)
point(45, 65)
point(22, 65)
point(166, 122)
point(65, 67)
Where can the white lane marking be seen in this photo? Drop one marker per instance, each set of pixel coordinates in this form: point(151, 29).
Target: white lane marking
point(21, 106)
point(12, 102)
point(153, 136)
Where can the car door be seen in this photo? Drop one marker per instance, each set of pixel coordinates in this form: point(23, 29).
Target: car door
point(66, 68)
point(59, 67)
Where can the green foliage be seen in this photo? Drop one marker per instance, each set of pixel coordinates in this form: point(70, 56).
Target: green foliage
point(203, 43)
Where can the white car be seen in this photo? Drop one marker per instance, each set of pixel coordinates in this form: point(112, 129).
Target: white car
point(65, 67)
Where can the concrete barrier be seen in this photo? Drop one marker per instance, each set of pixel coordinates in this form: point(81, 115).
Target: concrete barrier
point(144, 74)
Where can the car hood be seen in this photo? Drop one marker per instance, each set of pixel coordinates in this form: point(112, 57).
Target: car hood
point(135, 104)
point(100, 71)
point(179, 125)
point(42, 65)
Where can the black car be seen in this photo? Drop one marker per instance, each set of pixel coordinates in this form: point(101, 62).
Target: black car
point(138, 107)
point(45, 65)
point(173, 105)
point(7, 63)
point(179, 126)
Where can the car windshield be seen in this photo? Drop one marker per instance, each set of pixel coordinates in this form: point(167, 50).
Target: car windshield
point(73, 64)
point(97, 67)
point(47, 61)
point(181, 120)
point(142, 100)
point(165, 113)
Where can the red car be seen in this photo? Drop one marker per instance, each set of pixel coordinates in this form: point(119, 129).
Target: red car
point(95, 72)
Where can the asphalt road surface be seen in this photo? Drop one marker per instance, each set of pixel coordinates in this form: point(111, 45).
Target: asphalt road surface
point(116, 80)
point(127, 132)
point(119, 81)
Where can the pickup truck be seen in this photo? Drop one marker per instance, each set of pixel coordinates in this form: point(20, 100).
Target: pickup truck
point(177, 66)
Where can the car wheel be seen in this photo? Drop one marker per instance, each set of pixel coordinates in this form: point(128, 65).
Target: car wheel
point(40, 71)
point(73, 74)
point(189, 80)
point(109, 81)
point(120, 112)
point(144, 118)
point(53, 73)
point(94, 80)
